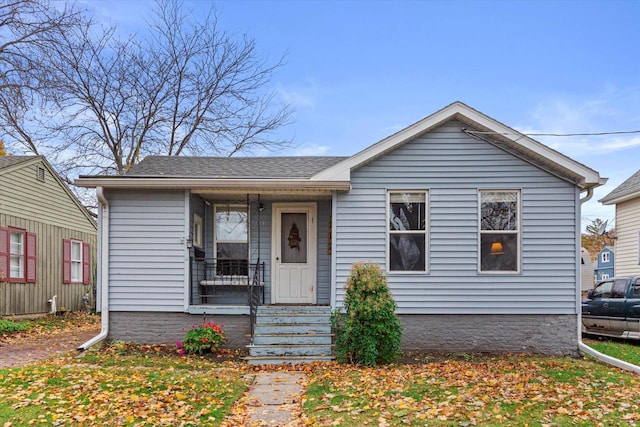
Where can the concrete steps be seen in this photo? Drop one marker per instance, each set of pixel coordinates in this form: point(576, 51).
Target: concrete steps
point(291, 334)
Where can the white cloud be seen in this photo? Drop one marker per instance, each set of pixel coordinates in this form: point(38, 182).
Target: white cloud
point(612, 110)
point(310, 149)
point(300, 95)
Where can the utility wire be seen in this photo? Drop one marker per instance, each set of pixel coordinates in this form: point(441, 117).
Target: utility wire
point(556, 134)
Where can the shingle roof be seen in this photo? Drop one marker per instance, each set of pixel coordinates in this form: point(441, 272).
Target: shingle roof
point(6, 161)
point(233, 167)
point(627, 188)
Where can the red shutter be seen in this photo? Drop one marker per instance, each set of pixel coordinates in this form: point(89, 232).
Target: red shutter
point(4, 254)
point(86, 263)
point(66, 261)
point(31, 264)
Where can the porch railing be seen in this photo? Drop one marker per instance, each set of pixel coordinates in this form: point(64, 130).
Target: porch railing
point(211, 277)
point(255, 292)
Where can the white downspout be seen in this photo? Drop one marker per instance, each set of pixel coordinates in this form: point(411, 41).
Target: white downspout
point(103, 278)
point(582, 346)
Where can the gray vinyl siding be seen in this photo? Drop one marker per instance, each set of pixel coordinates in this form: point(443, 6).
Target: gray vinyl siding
point(452, 167)
point(147, 251)
point(627, 256)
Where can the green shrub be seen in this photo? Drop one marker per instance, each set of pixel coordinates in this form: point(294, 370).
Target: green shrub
point(199, 339)
point(10, 327)
point(369, 332)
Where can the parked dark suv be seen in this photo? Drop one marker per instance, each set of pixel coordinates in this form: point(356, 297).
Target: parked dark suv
point(612, 308)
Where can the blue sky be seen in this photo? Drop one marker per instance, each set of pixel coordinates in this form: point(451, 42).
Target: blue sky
point(357, 71)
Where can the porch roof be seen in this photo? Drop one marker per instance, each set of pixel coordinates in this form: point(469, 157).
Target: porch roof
point(224, 173)
point(233, 167)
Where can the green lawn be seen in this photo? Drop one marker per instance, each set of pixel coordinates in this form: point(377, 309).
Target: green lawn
point(627, 351)
point(116, 387)
point(124, 384)
point(497, 391)
point(12, 330)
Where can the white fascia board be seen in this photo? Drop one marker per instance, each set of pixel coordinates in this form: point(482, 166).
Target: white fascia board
point(185, 183)
point(620, 199)
point(342, 170)
point(590, 177)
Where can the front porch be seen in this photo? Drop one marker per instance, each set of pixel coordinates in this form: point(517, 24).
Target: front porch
point(269, 249)
point(268, 257)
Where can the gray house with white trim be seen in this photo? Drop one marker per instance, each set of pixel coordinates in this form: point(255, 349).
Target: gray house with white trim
point(476, 225)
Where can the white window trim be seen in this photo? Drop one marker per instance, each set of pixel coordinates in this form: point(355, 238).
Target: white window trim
point(605, 257)
point(224, 207)
point(79, 261)
point(197, 231)
point(426, 231)
point(518, 231)
point(21, 256)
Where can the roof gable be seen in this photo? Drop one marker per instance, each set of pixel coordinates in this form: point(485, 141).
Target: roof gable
point(10, 164)
point(629, 189)
point(502, 136)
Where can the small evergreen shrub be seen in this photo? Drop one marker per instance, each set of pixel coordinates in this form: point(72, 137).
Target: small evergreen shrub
point(369, 332)
point(199, 339)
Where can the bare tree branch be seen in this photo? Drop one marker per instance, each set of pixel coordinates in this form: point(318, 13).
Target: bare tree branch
point(94, 102)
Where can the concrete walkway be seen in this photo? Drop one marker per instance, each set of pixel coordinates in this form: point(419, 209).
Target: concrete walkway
point(274, 398)
point(23, 353)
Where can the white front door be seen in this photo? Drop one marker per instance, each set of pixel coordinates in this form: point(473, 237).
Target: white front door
point(294, 253)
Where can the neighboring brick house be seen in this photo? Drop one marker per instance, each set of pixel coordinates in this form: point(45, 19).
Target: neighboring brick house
point(47, 240)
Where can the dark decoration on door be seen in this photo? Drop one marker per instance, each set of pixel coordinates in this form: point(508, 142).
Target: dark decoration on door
point(294, 237)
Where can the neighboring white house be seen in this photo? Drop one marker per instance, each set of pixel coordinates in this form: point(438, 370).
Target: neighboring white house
point(626, 198)
point(588, 272)
point(476, 225)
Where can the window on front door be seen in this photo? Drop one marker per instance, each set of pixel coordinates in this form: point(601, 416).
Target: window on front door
point(231, 234)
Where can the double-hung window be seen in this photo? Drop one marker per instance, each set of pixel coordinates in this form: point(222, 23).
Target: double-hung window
point(76, 262)
point(17, 255)
point(499, 231)
point(231, 240)
point(407, 229)
point(605, 257)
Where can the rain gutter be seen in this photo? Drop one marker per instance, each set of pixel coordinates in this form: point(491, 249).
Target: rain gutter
point(103, 279)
